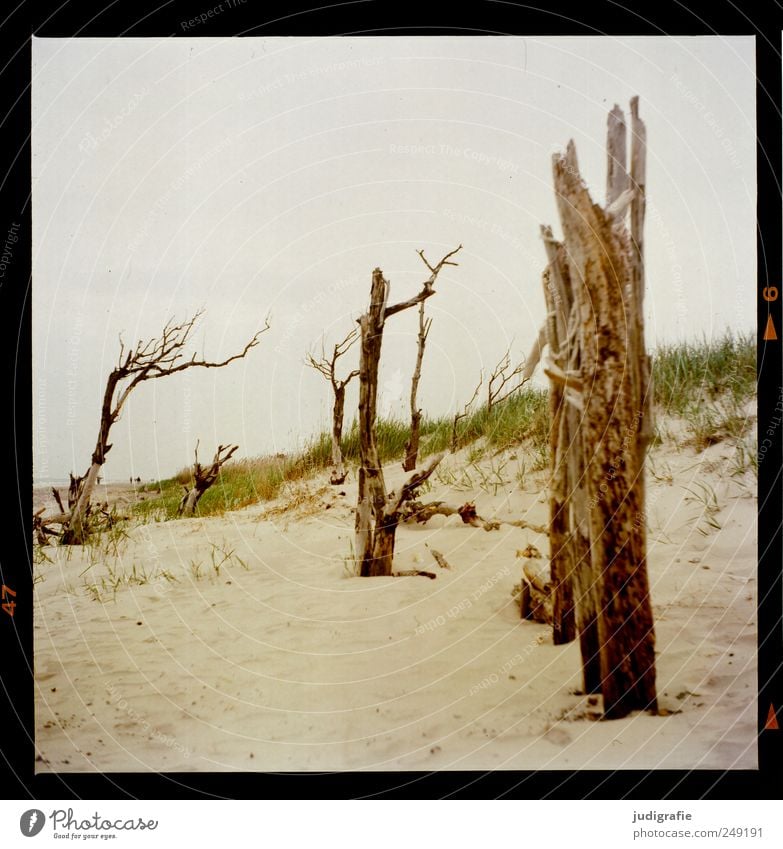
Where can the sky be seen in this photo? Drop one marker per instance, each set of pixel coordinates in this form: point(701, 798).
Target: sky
point(253, 177)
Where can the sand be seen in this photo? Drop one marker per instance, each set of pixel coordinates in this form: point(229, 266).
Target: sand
point(266, 654)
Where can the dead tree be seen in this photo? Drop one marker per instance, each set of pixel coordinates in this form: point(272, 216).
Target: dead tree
point(377, 514)
point(156, 358)
point(606, 382)
point(327, 366)
point(412, 445)
point(203, 478)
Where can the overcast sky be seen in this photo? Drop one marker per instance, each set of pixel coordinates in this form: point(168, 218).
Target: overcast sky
point(254, 176)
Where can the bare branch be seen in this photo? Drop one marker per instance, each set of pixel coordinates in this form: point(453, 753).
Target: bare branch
point(327, 365)
point(465, 411)
point(427, 286)
point(501, 376)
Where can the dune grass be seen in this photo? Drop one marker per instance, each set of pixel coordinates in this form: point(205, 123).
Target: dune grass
point(691, 373)
point(708, 384)
point(705, 383)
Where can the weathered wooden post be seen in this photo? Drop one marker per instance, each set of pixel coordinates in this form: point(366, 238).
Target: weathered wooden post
point(606, 423)
point(557, 296)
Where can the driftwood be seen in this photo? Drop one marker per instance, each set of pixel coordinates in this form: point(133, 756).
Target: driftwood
point(535, 600)
point(415, 511)
point(411, 573)
point(151, 360)
point(203, 478)
point(327, 366)
point(377, 515)
point(439, 558)
point(601, 401)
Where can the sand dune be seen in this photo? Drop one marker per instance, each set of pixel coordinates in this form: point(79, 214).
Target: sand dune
point(283, 661)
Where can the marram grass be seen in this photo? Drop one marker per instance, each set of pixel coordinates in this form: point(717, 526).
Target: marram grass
point(706, 383)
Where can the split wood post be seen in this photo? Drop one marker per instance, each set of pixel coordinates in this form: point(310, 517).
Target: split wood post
point(600, 257)
point(569, 517)
point(556, 295)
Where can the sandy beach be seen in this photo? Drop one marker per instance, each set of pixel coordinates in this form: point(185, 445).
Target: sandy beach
point(243, 642)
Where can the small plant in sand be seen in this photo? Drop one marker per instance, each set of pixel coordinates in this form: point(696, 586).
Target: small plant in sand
point(705, 495)
point(745, 458)
point(105, 587)
point(350, 566)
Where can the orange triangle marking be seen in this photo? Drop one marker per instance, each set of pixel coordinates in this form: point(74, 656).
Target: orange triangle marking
point(772, 720)
point(770, 333)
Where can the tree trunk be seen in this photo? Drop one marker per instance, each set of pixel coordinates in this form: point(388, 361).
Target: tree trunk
point(372, 489)
point(377, 515)
point(338, 473)
point(77, 532)
point(189, 502)
point(412, 446)
point(600, 269)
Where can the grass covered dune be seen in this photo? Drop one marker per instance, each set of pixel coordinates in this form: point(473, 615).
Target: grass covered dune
point(705, 386)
